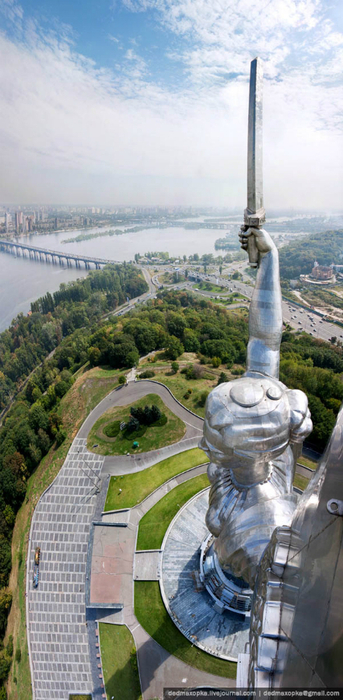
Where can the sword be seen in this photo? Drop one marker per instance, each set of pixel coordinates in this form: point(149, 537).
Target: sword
point(254, 214)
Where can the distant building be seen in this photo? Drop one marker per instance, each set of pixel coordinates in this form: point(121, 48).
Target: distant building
point(18, 221)
point(321, 272)
point(7, 221)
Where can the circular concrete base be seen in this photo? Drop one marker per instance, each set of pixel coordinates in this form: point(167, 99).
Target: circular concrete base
point(187, 601)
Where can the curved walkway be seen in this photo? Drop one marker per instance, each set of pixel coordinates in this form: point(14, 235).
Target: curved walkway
point(123, 464)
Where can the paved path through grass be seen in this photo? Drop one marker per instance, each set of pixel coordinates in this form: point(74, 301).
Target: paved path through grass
point(158, 668)
point(128, 490)
point(154, 523)
point(127, 464)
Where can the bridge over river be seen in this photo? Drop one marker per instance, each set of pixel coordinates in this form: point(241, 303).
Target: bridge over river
point(52, 256)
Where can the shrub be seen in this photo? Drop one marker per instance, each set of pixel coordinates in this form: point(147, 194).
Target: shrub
point(121, 379)
point(132, 425)
point(60, 436)
point(175, 367)
point(216, 361)
point(5, 606)
point(155, 413)
point(190, 372)
point(133, 660)
point(112, 429)
point(237, 371)
point(222, 378)
point(5, 665)
point(18, 655)
point(147, 374)
point(9, 647)
point(146, 416)
point(198, 371)
point(203, 397)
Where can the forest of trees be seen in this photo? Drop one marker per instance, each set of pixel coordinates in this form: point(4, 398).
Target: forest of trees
point(177, 321)
point(297, 258)
point(29, 339)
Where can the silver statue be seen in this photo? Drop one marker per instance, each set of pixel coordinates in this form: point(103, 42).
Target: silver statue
point(254, 426)
point(296, 628)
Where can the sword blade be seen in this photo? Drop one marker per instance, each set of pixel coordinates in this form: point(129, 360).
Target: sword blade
point(255, 174)
point(254, 215)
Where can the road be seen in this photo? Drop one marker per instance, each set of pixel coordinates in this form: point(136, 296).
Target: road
point(296, 317)
point(123, 464)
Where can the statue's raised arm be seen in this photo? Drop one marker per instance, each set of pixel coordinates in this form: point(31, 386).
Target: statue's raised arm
point(254, 426)
point(265, 317)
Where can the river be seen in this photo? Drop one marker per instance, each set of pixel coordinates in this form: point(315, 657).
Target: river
point(23, 280)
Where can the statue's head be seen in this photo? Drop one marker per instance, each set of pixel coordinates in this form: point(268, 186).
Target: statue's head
point(254, 418)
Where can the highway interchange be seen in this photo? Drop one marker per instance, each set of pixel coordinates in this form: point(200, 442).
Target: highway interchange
point(295, 316)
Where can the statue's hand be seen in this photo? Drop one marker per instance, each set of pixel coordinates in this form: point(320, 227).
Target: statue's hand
point(264, 242)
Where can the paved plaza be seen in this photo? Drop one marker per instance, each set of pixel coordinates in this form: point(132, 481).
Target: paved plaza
point(189, 604)
point(58, 636)
point(113, 549)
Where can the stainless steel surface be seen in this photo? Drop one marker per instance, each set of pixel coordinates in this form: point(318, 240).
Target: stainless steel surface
point(228, 592)
point(255, 173)
point(254, 214)
point(252, 431)
point(265, 315)
point(335, 507)
point(304, 565)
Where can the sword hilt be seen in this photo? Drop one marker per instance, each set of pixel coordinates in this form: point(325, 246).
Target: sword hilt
point(252, 247)
point(253, 220)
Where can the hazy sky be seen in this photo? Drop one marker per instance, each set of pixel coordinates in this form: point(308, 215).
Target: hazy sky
point(145, 101)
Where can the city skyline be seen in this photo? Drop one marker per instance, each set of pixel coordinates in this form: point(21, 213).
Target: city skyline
point(145, 101)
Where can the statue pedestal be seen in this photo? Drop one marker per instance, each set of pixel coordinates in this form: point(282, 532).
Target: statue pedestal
point(228, 592)
point(202, 619)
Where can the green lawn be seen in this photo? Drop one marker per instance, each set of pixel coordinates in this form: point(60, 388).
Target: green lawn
point(209, 287)
point(179, 385)
point(231, 299)
point(135, 487)
point(119, 662)
point(300, 482)
point(80, 697)
point(308, 462)
point(155, 522)
point(151, 613)
point(149, 438)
